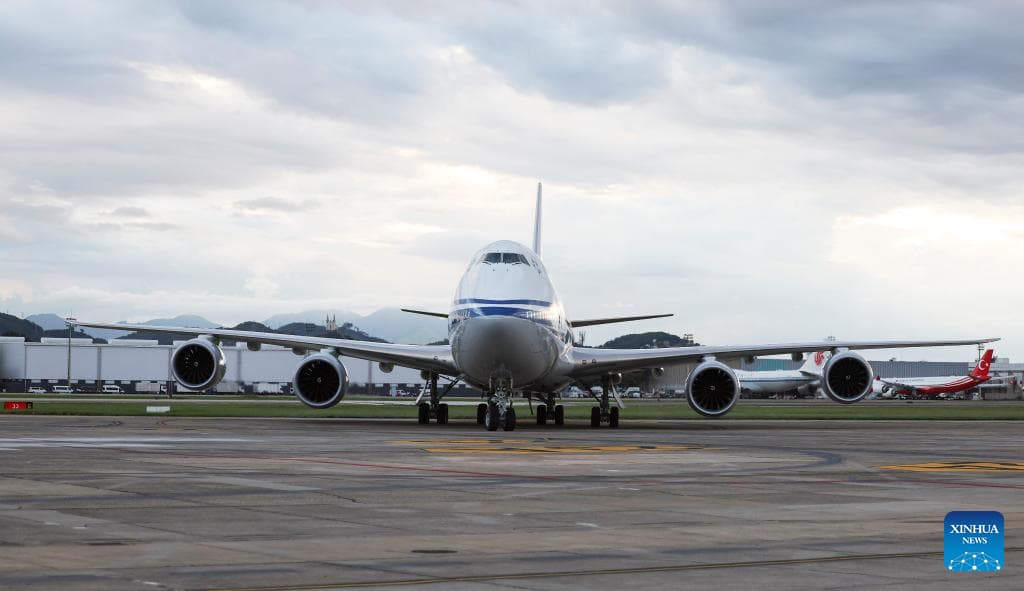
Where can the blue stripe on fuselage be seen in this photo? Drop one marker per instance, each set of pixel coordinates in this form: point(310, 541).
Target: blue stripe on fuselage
point(519, 302)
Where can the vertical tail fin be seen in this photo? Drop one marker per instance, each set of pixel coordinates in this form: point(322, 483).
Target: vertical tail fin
point(536, 223)
point(815, 362)
point(980, 371)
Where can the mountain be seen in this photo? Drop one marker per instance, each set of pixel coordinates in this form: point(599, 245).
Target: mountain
point(48, 321)
point(12, 326)
point(185, 320)
point(346, 331)
point(390, 324)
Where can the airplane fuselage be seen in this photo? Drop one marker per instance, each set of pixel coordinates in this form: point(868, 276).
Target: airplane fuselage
point(507, 324)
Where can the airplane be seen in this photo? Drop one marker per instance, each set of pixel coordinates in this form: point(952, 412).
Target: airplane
point(510, 336)
point(806, 380)
point(935, 385)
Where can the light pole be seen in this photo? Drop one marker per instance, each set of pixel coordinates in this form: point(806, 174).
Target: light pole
point(71, 325)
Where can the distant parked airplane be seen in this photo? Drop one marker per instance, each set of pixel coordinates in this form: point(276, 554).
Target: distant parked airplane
point(935, 385)
point(806, 380)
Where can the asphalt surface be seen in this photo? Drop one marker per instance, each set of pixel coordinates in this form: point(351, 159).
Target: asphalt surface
point(175, 503)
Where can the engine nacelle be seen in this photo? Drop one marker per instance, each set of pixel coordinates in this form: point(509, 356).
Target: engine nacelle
point(712, 388)
point(809, 389)
point(846, 378)
point(198, 364)
point(321, 381)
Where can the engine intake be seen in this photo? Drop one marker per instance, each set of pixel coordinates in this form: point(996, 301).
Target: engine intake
point(712, 389)
point(321, 381)
point(198, 364)
point(847, 378)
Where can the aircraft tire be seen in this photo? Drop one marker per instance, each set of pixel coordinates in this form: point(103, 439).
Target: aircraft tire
point(493, 417)
point(424, 413)
point(542, 414)
point(442, 414)
point(595, 417)
point(613, 417)
point(510, 420)
point(481, 413)
point(559, 415)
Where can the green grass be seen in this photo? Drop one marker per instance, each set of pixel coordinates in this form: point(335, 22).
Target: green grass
point(635, 410)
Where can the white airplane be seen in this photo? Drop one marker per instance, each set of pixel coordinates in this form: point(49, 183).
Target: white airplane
point(806, 380)
point(509, 335)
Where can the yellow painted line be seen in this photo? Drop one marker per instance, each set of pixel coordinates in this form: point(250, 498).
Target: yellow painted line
point(560, 449)
point(959, 467)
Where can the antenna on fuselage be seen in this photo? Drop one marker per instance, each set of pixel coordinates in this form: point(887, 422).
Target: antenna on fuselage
point(536, 222)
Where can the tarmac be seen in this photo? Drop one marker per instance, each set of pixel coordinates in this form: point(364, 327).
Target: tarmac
point(265, 504)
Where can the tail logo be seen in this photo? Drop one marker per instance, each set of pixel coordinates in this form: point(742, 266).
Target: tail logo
point(819, 358)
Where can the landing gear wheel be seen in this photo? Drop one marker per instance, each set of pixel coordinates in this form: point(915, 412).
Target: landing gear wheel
point(442, 414)
point(559, 415)
point(510, 419)
point(424, 413)
point(542, 414)
point(481, 413)
point(613, 417)
point(493, 417)
point(595, 417)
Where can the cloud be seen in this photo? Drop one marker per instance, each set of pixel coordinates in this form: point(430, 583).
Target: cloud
point(757, 169)
point(275, 204)
point(128, 211)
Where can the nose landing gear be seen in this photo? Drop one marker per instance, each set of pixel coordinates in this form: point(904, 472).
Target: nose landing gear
point(498, 411)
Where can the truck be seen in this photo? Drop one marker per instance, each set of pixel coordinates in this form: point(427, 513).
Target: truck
point(266, 388)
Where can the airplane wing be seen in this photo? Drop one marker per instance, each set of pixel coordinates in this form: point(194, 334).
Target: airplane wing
point(435, 358)
point(591, 362)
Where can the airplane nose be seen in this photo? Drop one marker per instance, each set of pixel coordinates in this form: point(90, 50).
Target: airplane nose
point(502, 347)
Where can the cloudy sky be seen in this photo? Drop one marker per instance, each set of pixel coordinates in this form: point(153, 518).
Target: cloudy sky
point(766, 171)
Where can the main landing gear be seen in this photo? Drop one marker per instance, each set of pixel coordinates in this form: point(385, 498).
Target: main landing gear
point(605, 412)
point(550, 411)
point(434, 408)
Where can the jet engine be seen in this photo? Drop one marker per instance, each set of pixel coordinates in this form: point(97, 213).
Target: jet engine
point(198, 364)
point(712, 388)
point(847, 378)
point(321, 381)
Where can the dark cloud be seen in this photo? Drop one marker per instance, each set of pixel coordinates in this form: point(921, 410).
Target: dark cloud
point(276, 204)
point(129, 211)
point(582, 60)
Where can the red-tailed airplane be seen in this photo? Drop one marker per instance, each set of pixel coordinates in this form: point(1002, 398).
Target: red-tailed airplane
point(935, 385)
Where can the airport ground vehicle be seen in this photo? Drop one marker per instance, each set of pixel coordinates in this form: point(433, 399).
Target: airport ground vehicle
point(62, 389)
point(111, 389)
point(36, 390)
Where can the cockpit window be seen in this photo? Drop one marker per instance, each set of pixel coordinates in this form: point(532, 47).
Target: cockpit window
point(508, 258)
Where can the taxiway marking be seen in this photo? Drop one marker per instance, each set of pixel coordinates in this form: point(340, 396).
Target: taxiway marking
point(959, 467)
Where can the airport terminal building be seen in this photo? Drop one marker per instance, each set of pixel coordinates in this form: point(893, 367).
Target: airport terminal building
point(144, 366)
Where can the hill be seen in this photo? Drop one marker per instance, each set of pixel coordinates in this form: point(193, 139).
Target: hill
point(648, 340)
point(12, 326)
point(346, 331)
